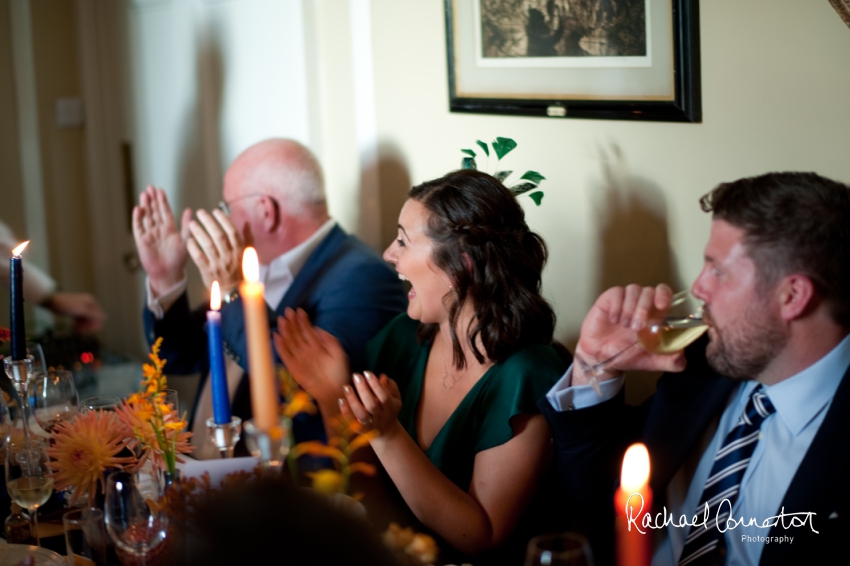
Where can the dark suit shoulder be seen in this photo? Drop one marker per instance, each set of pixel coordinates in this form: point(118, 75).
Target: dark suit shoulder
point(352, 253)
point(343, 261)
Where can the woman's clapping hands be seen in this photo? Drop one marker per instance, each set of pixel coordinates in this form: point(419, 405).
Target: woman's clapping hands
point(373, 401)
point(314, 357)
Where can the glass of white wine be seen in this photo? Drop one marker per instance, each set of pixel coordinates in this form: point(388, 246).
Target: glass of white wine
point(682, 324)
point(27, 476)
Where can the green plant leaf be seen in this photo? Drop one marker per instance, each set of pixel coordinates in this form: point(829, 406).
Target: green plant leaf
point(502, 175)
point(469, 152)
point(522, 188)
point(503, 146)
point(483, 146)
point(468, 163)
point(533, 176)
point(537, 197)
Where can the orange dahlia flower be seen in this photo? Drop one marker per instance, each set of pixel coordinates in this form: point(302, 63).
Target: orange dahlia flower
point(84, 448)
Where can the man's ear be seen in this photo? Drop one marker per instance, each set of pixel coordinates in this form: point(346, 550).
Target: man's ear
point(269, 214)
point(797, 296)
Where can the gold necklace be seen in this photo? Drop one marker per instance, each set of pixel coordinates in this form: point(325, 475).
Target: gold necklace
point(449, 378)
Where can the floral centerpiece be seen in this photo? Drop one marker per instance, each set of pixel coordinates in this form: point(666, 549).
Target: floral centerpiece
point(157, 430)
point(143, 428)
point(340, 449)
point(84, 449)
point(348, 438)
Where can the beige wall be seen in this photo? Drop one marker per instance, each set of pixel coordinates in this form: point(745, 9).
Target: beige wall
point(62, 150)
point(61, 154)
point(11, 190)
point(621, 197)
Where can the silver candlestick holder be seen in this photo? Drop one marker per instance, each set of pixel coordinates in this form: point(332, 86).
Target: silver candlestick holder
point(20, 372)
point(225, 435)
point(270, 446)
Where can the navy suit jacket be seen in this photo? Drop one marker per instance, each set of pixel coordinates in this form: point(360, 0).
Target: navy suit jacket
point(590, 443)
point(345, 288)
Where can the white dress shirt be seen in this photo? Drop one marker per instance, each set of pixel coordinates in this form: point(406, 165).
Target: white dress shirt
point(801, 403)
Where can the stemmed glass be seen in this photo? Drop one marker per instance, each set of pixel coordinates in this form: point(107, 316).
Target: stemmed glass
point(21, 374)
point(682, 324)
point(133, 520)
point(5, 424)
point(54, 398)
point(100, 403)
point(39, 365)
point(567, 549)
point(27, 476)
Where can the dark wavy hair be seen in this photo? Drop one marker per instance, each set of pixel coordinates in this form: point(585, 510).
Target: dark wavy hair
point(793, 223)
point(482, 242)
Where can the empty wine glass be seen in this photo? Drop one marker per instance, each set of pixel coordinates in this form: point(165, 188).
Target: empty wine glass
point(681, 325)
point(27, 476)
point(171, 398)
point(566, 549)
point(54, 398)
point(39, 365)
point(100, 403)
point(133, 520)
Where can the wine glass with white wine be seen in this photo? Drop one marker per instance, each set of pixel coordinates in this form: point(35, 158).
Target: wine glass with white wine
point(681, 325)
point(28, 476)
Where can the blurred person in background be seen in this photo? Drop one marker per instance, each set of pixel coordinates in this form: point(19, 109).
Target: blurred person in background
point(40, 289)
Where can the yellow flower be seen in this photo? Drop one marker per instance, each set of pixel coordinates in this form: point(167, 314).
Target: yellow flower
point(153, 426)
point(327, 481)
point(84, 448)
point(156, 430)
point(420, 547)
point(301, 402)
point(153, 379)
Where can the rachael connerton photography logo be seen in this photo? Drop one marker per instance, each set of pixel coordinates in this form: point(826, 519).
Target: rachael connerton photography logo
point(664, 519)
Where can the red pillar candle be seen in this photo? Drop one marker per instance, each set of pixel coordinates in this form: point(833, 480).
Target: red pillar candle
point(633, 502)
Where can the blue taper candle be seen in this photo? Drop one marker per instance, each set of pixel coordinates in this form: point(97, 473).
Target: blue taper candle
point(19, 336)
point(218, 376)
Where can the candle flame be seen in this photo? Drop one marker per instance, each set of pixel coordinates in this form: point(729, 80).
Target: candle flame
point(215, 296)
point(635, 473)
point(17, 251)
point(250, 265)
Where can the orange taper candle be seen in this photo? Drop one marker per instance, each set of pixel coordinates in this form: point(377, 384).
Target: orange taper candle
point(632, 502)
point(264, 397)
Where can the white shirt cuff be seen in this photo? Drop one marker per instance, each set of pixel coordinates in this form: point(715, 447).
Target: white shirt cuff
point(564, 397)
point(158, 305)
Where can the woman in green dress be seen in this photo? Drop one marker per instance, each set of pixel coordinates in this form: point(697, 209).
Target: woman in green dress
point(454, 382)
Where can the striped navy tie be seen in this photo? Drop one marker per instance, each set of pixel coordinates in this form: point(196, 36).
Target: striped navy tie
point(724, 480)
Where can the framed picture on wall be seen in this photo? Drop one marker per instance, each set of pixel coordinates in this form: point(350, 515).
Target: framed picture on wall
point(606, 59)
